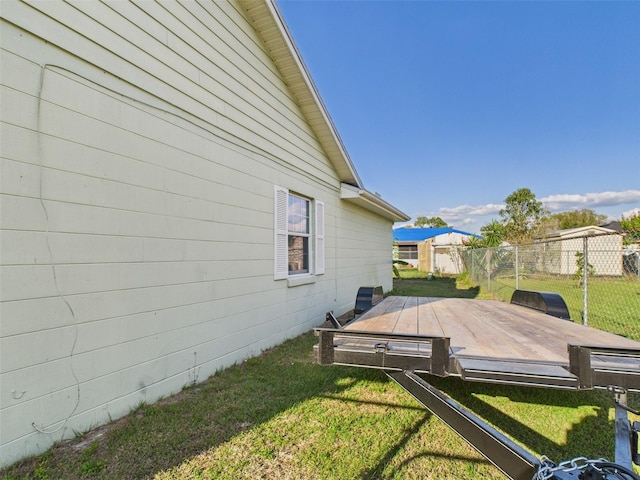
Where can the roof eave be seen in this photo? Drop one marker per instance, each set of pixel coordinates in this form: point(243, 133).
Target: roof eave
point(269, 24)
point(372, 202)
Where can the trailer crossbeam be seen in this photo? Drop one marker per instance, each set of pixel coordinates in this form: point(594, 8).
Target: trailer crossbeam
point(397, 351)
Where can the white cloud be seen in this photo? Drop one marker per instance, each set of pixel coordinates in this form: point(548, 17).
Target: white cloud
point(562, 202)
point(463, 214)
point(472, 214)
point(630, 213)
point(488, 209)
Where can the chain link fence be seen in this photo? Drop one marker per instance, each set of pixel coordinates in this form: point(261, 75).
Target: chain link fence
point(597, 276)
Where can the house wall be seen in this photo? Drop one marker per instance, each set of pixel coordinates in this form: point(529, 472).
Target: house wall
point(141, 146)
point(363, 254)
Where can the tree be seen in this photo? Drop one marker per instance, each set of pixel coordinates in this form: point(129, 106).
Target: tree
point(473, 242)
point(631, 228)
point(492, 234)
point(548, 224)
point(578, 218)
point(579, 275)
point(436, 222)
point(522, 215)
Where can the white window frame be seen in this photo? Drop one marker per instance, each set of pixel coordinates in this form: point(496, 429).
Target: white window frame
point(281, 235)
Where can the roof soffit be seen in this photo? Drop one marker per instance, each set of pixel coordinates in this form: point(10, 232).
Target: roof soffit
point(270, 25)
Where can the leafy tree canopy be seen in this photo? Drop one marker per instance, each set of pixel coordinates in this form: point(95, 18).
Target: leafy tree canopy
point(436, 222)
point(577, 218)
point(631, 223)
point(473, 242)
point(631, 227)
point(492, 234)
point(522, 215)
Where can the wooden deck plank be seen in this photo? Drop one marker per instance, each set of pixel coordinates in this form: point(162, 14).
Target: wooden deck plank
point(484, 329)
point(466, 337)
point(406, 321)
point(427, 322)
point(499, 332)
point(383, 316)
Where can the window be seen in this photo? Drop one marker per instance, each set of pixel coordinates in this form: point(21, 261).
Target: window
point(408, 252)
point(299, 234)
point(298, 229)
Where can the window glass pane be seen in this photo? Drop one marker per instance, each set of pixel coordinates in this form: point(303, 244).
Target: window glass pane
point(298, 254)
point(299, 230)
point(408, 252)
point(298, 221)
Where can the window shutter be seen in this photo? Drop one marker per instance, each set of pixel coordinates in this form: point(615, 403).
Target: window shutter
point(281, 253)
point(319, 238)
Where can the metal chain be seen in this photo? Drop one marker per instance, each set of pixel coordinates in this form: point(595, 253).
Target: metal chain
point(548, 469)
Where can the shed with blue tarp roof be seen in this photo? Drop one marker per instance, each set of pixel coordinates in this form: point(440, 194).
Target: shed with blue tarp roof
point(432, 249)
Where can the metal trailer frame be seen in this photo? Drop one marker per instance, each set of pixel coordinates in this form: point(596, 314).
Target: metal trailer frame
point(514, 461)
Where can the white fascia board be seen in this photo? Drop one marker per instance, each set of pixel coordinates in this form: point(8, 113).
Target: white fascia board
point(371, 202)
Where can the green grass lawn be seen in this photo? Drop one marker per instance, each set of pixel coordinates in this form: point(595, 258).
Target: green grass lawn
point(416, 284)
point(280, 416)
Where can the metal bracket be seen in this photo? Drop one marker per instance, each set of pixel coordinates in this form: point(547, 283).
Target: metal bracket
point(599, 367)
point(330, 317)
point(382, 350)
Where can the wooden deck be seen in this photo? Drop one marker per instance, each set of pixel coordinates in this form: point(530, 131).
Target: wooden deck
point(486, 341)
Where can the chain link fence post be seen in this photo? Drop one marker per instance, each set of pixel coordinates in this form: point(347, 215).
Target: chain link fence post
point(585, 280)
point(517, 273)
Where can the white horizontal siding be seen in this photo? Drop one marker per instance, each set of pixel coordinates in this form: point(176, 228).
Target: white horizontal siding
point(363, 252)
point(26, 247)
point(136, 209)
point(133, 63)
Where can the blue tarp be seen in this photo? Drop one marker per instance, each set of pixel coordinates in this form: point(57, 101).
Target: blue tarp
point(420, 234)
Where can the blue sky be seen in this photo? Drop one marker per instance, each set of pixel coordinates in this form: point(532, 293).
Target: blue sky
point(447, 107)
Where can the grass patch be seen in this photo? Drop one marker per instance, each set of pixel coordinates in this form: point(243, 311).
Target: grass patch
point(414, 283)
point(280, 416)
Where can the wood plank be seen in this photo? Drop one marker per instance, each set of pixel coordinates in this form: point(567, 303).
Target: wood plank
point(493, 339)
point(382, 317)
point(494, 331)
point(406, 320)
point(427, 322)
point(394, 315)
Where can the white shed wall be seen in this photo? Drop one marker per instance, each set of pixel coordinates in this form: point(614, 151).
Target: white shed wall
point(446, 260)
point(436, 255)
point(604, 255)
point(141, 144)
